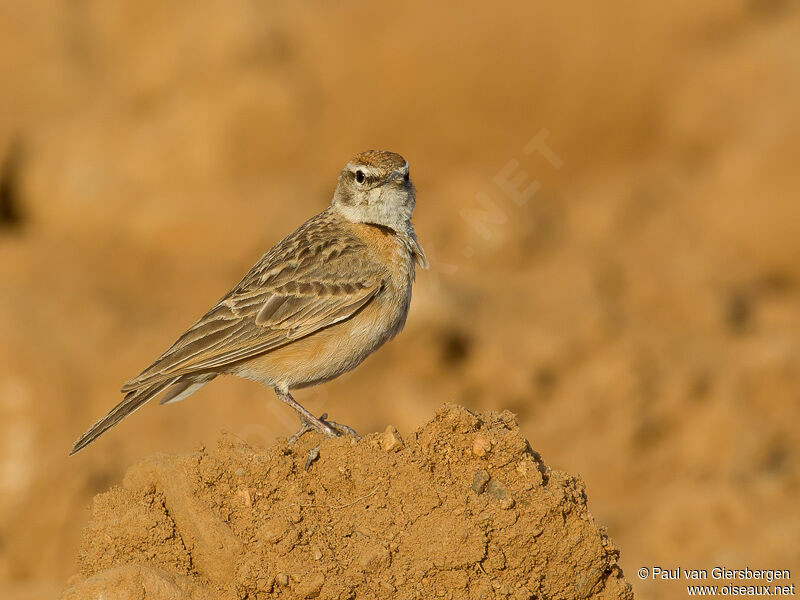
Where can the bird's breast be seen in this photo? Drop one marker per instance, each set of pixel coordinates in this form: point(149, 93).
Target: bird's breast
point(336, 349)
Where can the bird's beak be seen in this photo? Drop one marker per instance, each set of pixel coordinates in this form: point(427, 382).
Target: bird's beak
point(396, 176)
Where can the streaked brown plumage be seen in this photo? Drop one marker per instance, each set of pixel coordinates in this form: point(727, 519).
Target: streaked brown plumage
point(313, 307)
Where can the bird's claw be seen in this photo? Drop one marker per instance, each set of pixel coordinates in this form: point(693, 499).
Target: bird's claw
point(327, 428)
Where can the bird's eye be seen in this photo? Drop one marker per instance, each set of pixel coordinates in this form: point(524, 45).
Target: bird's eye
point(360, 177)
point(405, 177)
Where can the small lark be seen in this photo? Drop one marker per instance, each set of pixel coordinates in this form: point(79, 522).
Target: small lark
point(314, 307)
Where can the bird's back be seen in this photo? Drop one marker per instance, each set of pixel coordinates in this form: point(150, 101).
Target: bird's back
point(317, 275)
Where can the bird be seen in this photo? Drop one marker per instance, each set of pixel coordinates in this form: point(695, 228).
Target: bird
point(312, 308)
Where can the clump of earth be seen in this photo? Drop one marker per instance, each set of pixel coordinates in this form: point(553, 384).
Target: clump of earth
point(462, 508)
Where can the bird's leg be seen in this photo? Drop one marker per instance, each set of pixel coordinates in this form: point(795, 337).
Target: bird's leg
point(309, 422)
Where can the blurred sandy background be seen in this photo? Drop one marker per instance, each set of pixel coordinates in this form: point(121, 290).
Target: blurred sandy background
point(639, 311)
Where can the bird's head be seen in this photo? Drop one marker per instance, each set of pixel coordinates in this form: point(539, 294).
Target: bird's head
point(374, 187)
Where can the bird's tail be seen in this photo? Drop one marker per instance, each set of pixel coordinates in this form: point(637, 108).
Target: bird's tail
point(133, 400)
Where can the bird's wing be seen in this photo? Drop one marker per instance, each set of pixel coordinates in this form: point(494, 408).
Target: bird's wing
point(316, 277)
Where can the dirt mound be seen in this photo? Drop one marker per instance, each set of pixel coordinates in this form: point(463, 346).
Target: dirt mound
point(462, 508)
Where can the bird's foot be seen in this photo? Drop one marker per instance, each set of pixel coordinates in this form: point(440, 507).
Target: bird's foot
point(322, 425)
point(327, 428)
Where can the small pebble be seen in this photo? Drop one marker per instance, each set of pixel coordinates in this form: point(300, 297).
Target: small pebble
point(274, 530)
point(282, 579)
point(311, 587)
point(497, 490)
point(391, 440)
point(479, 481)
point(481, 446)
point(244, 494)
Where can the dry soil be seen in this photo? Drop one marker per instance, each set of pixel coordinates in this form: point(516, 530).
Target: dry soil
point(462, 508)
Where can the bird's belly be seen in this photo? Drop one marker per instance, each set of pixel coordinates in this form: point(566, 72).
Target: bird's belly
point(329, 352)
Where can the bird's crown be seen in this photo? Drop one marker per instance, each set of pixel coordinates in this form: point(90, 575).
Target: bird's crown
point(378, 162)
